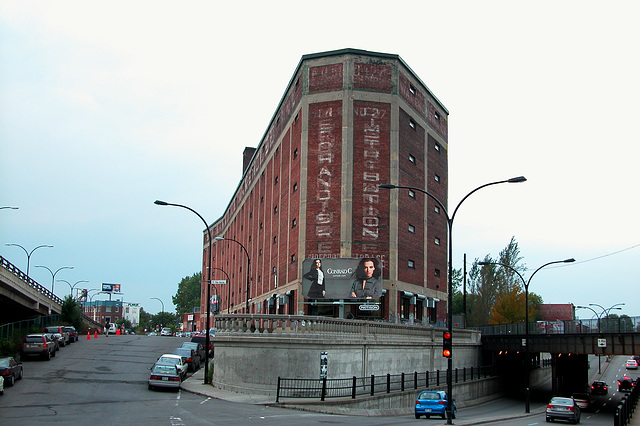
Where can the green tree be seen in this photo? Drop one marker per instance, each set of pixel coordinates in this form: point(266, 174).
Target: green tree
point(72, 313)
point(188, 295)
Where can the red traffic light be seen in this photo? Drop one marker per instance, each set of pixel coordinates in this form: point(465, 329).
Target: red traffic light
point(447, 344)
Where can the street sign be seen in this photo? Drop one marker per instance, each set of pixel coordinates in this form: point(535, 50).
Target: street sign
point(218, 281)
point(602, 343)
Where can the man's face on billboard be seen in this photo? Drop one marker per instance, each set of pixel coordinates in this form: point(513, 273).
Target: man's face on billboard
point(369, 268)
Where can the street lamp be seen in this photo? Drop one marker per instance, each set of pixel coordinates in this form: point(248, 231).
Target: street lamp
point(207, 338)
point(246, 306)
point(228, 288)
point(526, 320)
point(29, 253)
point(71, 287)
point(91, 303)
point(599, 331)
point(605, 312)
point(161, 313)
point(53, 274)
point(450, 280)
point(9, 207)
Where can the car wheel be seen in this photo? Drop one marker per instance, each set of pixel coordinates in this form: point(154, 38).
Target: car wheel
point(417, 416)
point(150, 387)
point(20, 375)
point(53, 353)
point(444, 416)
point(10, 381)
point(548, 420)
point(47, 356)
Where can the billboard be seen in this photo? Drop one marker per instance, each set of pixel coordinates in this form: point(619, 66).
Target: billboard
point(354, 279)
point(111, 288)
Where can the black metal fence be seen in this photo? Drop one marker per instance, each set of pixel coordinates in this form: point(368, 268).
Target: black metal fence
point(353, 387)
point(624, 410)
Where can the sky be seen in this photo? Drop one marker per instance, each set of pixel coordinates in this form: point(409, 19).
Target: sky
point(106, 107)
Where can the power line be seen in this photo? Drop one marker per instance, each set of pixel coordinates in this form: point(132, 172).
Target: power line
point(595, 258)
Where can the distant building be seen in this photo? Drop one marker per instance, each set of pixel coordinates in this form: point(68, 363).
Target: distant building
point(348, 121)
point(191, 321)
point(557, 312)
point(132, 313)
point(103, 310)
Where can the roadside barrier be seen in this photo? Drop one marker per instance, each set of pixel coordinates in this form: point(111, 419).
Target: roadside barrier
point(627, 406)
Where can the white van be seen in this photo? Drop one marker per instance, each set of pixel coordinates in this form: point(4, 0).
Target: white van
point(113, 328)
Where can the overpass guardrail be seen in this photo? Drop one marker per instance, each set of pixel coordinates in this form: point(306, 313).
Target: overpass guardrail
point(623, 324)
point(28, 280)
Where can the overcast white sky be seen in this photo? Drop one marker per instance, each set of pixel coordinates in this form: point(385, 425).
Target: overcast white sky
point(106, 107)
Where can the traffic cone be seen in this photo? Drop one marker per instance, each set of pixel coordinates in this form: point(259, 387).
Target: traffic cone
point(118, 332)
point(95, 336)
point(88, 335)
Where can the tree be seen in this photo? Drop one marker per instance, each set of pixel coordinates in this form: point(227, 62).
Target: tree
point(188, 295)
point(72, 312)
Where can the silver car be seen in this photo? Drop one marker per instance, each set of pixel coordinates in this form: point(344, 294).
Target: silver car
point(165, 376)
point(563, 409)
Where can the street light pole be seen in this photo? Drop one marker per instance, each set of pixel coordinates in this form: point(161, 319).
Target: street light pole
point(246, 306)
point(53, 274)
point(450, 279)
point(228, 288)
point(207, 338)
point(29, 253)
point(161, 313)
point(71, 287)
point(526, 320)
point(599, 331)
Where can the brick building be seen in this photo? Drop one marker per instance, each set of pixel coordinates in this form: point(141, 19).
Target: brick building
point(103, 310)
point(348, 121)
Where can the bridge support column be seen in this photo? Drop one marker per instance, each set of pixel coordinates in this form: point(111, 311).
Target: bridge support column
point(569, 374)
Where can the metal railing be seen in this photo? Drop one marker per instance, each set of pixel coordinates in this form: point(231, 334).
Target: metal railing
point(354, 387)
point(28, 280)
point(25, 326)
point(624, 410)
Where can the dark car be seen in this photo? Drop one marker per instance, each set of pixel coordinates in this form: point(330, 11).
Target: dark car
point(202, 339)
point(433, 403)
point(626, 384)
point(563, 409)
point(73, 333)
point(599, 388)
point(196, 347)
point(10, 370)
point(191, 357)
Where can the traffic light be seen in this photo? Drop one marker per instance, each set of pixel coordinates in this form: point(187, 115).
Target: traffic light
point(447, 345)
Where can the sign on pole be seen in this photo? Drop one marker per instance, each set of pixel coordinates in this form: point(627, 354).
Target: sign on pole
point(218, 281)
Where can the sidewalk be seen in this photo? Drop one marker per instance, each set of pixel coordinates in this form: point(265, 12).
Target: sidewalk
point(195, 384)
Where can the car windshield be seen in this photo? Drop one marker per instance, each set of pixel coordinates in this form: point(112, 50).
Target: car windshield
point(164, 369)
point(430, 395)
point(4, 362)
point(34, 339)
point(189, 345)
point(170, 361)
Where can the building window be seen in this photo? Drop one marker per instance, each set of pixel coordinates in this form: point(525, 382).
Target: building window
point(275, 209)
point(411, 264)
point(295, 186)
point(412, 159)
point(273, 269)
point(275, 181)
point(260, 252)
point(275, 239)
point(436, 178)
point(436, 115)
point(260, 225)
point(295, 153)
point(436, 272)
point(412, 124)
point(412, 229)
point(412, 89)
point(294, 222)
point(436, 209)
point(412, 193)
point(261, 199)
point(293, 258)
point(437, 241)
point(437, 147)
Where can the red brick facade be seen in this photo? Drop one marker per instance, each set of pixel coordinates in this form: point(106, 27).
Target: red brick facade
point(349, 121)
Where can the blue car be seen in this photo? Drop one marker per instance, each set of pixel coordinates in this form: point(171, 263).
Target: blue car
point(434, 403)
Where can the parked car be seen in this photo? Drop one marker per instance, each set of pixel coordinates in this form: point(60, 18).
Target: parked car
point(165, 376)
point(631, 364)
point(199, 348)
point(202, 339)
point(38, 345)
point(190, 356)
point(626, 384)
point(166, 331)
point(55, 338)
point(10, 370)
point(1, 386)
point(177, 360)
point(560, 408)
point(582, 399)
point(73, 333)
point(434, 403)
point(599, 388)
point(59, 329)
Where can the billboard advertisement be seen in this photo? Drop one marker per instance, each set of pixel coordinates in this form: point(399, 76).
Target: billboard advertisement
point(356, 279)
point(111, 288)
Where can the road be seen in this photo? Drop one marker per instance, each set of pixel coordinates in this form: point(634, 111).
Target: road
point(103, 381)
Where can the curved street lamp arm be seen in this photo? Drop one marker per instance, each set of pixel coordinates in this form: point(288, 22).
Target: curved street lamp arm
point(512, 180)
point(525, 283)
